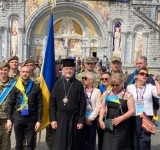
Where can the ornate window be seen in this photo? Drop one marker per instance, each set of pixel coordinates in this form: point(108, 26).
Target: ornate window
point(94, 43)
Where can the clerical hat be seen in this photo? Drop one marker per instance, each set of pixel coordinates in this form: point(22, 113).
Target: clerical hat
point(68, 63)
point(13, 58)
point(29, 60)
point(4, 64)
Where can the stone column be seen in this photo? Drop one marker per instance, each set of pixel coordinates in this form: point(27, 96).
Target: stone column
point(84, 43)
point(123, 47)
point(25, 48)
point(110, 45)
point(21, 44)
point(32, 50)
point(4, 43)
point(145, 44)
point(88, 52)
point(101, 50)
point(0, 44)
point(83, 52)
point(8, 46)
point(133, 48)
point(126, 51)
point(130, 48)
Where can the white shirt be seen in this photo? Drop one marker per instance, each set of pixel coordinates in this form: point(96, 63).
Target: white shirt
point(96, 103)
point(147, 92)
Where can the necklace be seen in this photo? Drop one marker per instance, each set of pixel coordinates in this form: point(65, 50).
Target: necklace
point(65, 100)
point(117, 92)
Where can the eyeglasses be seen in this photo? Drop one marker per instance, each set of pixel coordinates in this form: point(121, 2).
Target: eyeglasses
point(84, 78)
point(143, 74)
point(106, 79)
point(114, 85)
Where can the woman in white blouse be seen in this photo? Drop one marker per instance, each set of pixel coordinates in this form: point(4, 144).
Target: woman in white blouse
point(93, 101)
point(142, 93)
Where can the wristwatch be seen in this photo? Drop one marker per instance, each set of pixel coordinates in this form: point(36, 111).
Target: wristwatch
point(100, 119)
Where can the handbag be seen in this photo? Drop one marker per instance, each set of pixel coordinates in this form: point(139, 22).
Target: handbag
point(148, 124)
point(108, 122)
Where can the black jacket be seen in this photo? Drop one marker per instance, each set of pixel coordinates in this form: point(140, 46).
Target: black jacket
point(35, 103)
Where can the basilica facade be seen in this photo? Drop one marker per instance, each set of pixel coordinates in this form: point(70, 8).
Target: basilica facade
point(127, 28)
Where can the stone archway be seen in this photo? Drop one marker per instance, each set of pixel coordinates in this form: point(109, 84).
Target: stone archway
point(86, 16)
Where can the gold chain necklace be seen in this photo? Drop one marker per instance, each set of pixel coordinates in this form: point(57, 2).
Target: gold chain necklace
point(65, 100)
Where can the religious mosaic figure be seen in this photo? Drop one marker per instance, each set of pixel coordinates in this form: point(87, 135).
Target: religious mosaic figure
point(77, 45)
point(59, 44)
point(102, 8)
point(32, 6)
point(14, 37)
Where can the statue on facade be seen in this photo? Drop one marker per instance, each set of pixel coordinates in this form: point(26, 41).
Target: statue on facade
point(66, 29)
point(68, 38)
point(117, 41)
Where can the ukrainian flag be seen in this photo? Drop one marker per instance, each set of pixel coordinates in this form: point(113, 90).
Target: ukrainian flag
point(47, 76)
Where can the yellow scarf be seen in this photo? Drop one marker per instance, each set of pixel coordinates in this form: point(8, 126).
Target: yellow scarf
point(20, 86)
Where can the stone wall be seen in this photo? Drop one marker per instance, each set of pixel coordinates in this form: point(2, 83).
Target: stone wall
point(121, 12)
point(8, 11)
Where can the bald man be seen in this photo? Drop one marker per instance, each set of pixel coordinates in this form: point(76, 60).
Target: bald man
point(26, 100)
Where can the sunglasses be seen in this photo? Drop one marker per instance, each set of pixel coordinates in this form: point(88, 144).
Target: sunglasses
point(114, 85)
point(143, 74)
point(84, 78)
point(106, 79)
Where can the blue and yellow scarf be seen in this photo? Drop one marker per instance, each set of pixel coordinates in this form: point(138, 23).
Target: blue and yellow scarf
point(24, 97)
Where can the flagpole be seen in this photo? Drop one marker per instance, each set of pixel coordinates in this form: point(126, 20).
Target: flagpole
point(39, 140)
point(52, 4)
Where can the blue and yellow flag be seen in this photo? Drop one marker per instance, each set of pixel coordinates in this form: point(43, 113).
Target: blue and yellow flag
point(47, 76)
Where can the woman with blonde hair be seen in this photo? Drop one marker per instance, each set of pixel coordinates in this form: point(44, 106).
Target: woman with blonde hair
point(117, 108)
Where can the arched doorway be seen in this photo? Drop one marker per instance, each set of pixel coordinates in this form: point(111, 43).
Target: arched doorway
point(87, 20)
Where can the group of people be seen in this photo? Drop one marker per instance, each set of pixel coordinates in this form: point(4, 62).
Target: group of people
point(114, 104)
point(20, 104)
point(109, 103)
